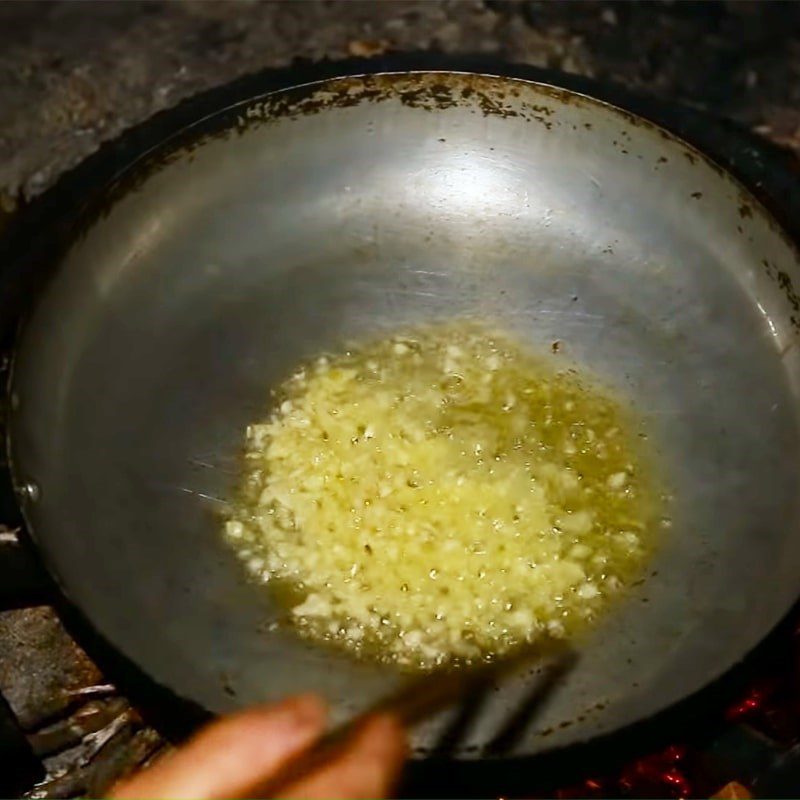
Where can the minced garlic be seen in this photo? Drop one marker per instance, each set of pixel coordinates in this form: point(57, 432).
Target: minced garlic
point(442, 495)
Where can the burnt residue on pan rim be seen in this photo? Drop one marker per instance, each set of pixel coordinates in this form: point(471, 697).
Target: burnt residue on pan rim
point(430, 90)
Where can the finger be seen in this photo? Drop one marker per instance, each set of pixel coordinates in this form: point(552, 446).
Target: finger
point(367, 767)
point(232, 756)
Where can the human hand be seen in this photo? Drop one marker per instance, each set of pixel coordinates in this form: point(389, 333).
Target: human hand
point(239, 755)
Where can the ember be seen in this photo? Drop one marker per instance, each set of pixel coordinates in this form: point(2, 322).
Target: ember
point(590, 788)
point(752, 703)
point(658, 775)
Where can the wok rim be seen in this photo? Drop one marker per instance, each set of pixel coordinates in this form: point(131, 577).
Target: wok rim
point(123, 157)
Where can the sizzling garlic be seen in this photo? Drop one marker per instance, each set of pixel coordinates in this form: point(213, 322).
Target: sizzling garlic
point(442, 495)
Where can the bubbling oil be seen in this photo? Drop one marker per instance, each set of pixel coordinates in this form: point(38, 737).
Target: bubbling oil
point(443, 495)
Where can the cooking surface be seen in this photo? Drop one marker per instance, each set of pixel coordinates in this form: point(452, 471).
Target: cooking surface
point(55, 143)
point(369, 204)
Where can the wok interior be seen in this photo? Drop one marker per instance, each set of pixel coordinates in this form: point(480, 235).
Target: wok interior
point(171, 318)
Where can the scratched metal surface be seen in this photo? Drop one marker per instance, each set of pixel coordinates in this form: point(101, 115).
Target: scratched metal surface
point(201, 286)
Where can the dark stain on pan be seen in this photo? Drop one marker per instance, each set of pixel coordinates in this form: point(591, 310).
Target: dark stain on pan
point(427, 91)
point(785, 284)
point(745, 210)
point(697, 195)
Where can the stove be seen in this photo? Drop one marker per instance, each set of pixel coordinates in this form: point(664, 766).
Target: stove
point(68, 729)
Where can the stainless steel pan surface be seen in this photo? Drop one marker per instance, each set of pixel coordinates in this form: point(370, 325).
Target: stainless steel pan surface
point(289, 223)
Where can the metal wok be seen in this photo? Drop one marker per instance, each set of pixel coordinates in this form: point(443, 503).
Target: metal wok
point(279, 226)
